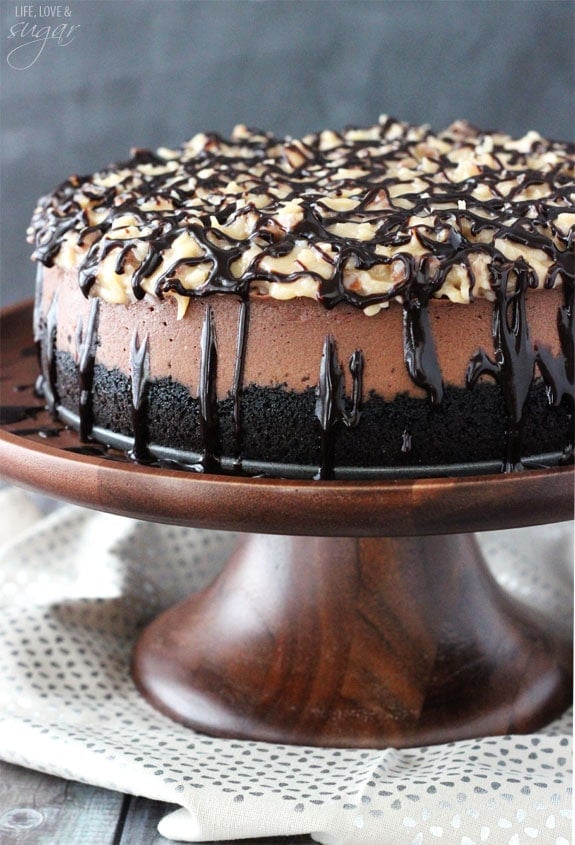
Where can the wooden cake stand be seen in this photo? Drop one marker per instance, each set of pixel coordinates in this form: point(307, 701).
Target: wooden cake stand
point(360, 614)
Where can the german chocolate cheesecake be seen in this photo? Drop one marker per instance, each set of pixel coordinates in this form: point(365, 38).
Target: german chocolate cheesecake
point(384, 300)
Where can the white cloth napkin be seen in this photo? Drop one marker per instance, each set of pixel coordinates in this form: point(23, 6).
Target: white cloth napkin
point(76, 586)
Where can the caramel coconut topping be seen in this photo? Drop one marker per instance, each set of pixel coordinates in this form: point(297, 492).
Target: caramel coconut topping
point(364, 216)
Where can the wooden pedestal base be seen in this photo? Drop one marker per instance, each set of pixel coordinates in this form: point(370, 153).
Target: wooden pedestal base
point(355, 642)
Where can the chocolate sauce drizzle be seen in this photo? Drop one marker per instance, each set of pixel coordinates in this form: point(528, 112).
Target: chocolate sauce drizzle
point(455, 221)
point(330, 407)
point(86, 363)
point(207, 395)
point(559, 372)
point(140, 369)
point(515, 356)
point(50, 351)
point(419, 350)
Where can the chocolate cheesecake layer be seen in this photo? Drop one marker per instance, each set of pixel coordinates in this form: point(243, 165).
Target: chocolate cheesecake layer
point(286, 339)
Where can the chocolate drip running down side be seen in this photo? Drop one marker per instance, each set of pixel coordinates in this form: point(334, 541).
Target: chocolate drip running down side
point(514, 364)
point(207, 395)
point(50, 354)
point(140, 369)
point(330, 408)
point(516, 357)
point(86, 363)
point(419, 350)
point(559, 372)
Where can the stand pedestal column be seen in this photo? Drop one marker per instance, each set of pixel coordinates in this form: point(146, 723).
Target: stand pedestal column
point(355, 642)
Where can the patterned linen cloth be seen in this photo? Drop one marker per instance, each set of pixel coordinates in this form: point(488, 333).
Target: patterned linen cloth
point(77, 585)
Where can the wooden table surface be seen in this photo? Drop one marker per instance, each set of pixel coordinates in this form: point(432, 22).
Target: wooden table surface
point(39, 809)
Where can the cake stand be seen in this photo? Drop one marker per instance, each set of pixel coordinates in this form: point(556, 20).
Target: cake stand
point(361, 613)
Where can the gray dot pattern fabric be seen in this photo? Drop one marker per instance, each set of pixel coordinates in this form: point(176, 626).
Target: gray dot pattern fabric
point(76, 586)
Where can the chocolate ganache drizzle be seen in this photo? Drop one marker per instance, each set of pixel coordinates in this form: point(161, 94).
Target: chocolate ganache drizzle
point(330, 407)
point(86, 342)
point(207, 395)
point(50, 354)
point(515, 356)
point(140, 368)
point(366, 216)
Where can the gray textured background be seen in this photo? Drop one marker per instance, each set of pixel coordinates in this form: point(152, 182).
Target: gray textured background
point(155, 72)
